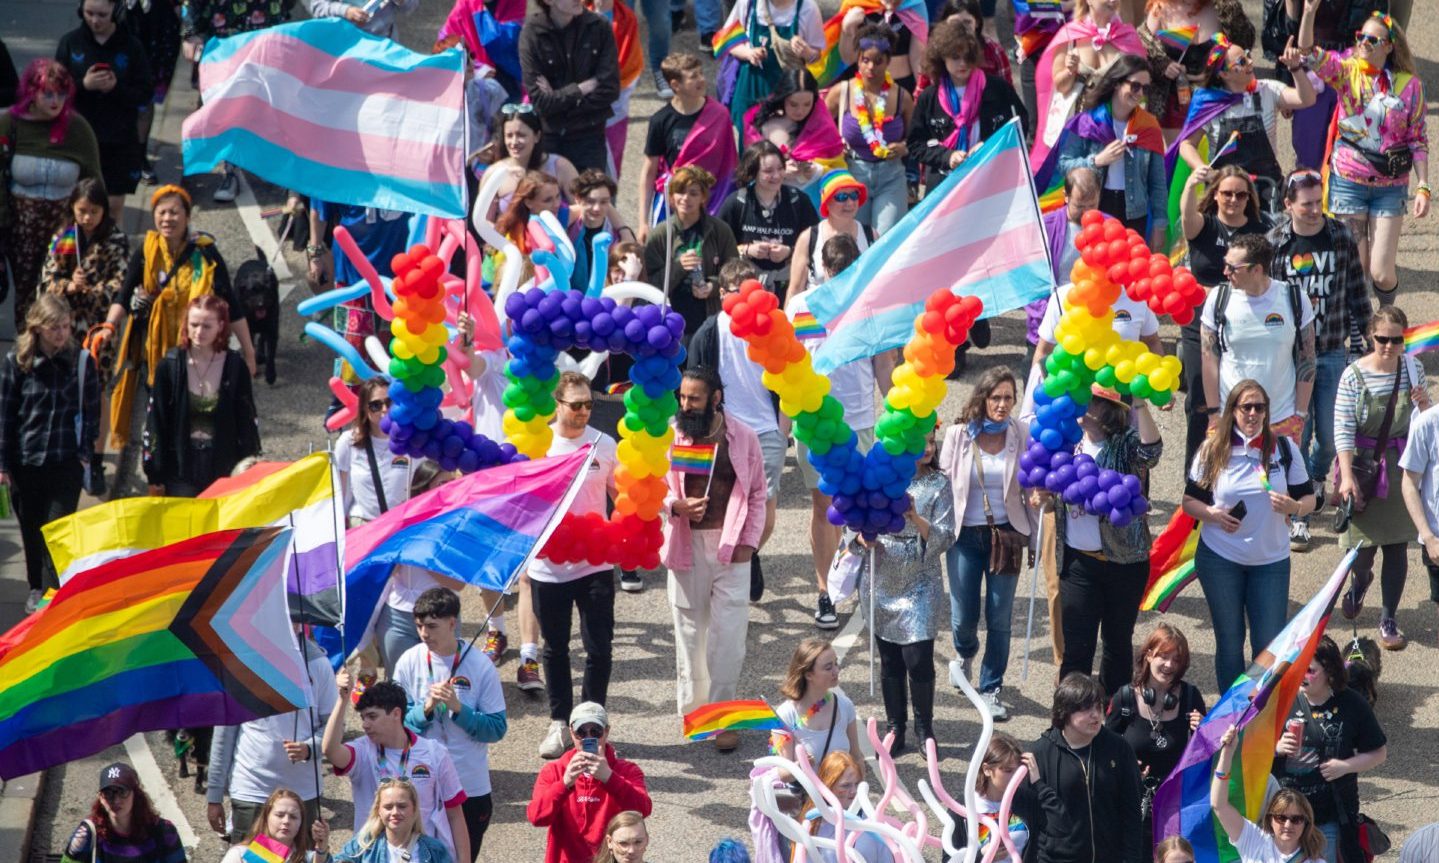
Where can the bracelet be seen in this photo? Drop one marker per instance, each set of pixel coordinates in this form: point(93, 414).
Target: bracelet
point(1222, 777)
point(314, 250)
point(1423, 189)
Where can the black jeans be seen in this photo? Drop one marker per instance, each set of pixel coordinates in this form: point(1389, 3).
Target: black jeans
point(594, 596)
point(40, 495)
point(914, 662)
point(477, 811)
point(1100, 596)
point(585, 150)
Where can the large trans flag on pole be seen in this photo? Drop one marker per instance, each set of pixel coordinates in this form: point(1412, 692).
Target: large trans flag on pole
point(978, 233)
point(326, 109)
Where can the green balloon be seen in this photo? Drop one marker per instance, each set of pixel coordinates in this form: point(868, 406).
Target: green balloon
point(1140, 387)
point(524, 413)
point(892, 445)
point(1160, 398)
point(1105, 377)
point(819, 447)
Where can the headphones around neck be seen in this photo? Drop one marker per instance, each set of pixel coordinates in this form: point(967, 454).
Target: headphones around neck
point(117, 11)
point(1171, 698)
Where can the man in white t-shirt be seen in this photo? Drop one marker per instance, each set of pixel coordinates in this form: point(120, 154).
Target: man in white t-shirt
point(251, 760)
point(586, 587)
point(387, 750)
point(1420, 462)
point(455, 700)
point(1257, 334)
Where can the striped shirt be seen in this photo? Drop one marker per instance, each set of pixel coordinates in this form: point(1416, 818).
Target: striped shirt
point(162, 845)
point(1350, 411)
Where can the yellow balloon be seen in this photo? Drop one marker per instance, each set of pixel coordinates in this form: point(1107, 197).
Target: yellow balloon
point(1147, 363)
point(401, 350)
point(1125, 371)
point(1074, 344)
point(429, 355)
point(1095, 359)
point(1160, 379)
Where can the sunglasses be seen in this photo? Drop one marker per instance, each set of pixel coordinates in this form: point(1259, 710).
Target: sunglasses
point(1244, 61)
point(1389, 340)
point(1362, 38)
point(590, 731)
point(118, 792)
point(1288, 819)
point(1230, 269)
point(1240, 195)
point(845, 197)
point(1252, 408)
point(1303, 177)
point(1134, 84)
point(514, 108)
point(378, 405)
point(577, 406)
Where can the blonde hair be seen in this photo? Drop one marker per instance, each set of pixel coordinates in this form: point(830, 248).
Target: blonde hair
point(628, 818)
point(374, 828)
point(261, 824)
point(47, 310)
point(1170, 845)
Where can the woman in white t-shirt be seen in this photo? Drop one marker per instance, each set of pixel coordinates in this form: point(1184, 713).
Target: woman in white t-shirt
point(364, 499)
point(819, 717)
point(283, 818)
point(1285, 835)
point(394, 833)
point(1244, 485)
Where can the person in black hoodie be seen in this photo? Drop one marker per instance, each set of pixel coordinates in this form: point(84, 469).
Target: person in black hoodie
point(572, 72)
point(1095, 773)
point(1036, 805)
point(201, 417)
point(113, 82)
point(960, 94)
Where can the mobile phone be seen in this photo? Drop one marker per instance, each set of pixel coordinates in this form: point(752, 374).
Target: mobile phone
point(101, 67)
point(590, 745)
point(1239, 510)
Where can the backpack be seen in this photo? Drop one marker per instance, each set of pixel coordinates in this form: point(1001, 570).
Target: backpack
point(1221, 302)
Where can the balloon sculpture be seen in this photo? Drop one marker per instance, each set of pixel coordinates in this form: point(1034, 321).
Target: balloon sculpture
point(869, 491)
point(1089, 351)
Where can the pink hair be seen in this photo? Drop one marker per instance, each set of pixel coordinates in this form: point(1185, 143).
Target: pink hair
point(36, 77)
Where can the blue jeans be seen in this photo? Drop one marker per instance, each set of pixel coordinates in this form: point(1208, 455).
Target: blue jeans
point(1317, 441)
point(396, 632)
point(967, 561)
point(709, 16)
point(657, 20)
point(1331, 840)
point(888, 198)
point(1233, 592)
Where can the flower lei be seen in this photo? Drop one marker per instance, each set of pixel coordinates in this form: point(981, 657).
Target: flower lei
point(871, 124)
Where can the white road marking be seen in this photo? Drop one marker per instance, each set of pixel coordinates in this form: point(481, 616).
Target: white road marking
point(155, 785)
point(263, 237)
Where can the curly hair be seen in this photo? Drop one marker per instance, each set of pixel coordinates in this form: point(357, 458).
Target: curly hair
point(143, 817)
point(40, 75)
point(950, 40)
point(976, 409)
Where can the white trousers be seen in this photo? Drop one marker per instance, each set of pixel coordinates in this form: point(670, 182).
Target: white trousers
point(710, 602)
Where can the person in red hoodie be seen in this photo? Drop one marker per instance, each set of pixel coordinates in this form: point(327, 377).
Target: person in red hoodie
point(577, 795)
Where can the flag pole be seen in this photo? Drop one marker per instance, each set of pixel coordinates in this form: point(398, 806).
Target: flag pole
point(305, 656)
point(1033, 592)
point(871, 620)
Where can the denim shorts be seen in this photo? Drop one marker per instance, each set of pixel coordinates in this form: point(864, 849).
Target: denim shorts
point(1348, 198)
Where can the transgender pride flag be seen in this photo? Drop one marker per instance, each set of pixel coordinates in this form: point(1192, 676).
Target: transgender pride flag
point(978, 233)
point(482, 528)
point(326, 109)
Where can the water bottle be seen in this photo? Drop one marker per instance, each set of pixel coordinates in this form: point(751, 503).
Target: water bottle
point(4, 501)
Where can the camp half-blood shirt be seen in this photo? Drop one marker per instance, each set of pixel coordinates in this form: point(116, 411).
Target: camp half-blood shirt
point(477, 685)
point(428, 767)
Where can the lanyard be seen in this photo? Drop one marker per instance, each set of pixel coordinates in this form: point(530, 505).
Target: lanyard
point(441, 708)
point(382, 766)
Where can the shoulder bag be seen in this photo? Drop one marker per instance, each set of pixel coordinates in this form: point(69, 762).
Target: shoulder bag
point(1366, 467)
point(375, 474)
point(1006, 545)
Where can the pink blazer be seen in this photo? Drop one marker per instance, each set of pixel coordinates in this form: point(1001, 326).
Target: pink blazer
point(744, 516)
point(956, 459)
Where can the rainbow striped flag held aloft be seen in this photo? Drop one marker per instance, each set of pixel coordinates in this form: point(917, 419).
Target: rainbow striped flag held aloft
point(807, 326)
point(1258, 703)
point(696, 458)
point(705, 722)
point(1229, 147)
point(829, 67)
point(729, 39)
point(193, 634)
point(1421, 338)
point(264, 850)
point(1171, 562)
point(324, 108)
point(1178, 38)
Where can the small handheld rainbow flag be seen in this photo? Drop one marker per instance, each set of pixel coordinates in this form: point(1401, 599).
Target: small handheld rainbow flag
point(1229, 147)
point(1171, 562)
point(729, 39)
point(1178, 38)
point(807, 326)
point(1421, 338)
point(619, 388)
point(265, 850)
point(65, 244)
point(696, 458)
point(1263, 477)
point(705, 722)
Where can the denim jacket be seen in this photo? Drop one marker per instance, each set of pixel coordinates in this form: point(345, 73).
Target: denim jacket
point(429, 850)
point(1146, 189)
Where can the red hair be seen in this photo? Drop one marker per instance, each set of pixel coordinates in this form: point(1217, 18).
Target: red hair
point(45, 74)
point(1163, 639)
point(143, 819)
point(221, 310)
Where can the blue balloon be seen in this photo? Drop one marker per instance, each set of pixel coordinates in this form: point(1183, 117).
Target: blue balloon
point(330, 299)
point(335, 342)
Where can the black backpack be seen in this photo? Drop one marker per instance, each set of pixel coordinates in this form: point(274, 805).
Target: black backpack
point(1221, 302)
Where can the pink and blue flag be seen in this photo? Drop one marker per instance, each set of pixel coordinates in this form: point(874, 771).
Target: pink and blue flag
point(326, 109)
point(978, 233)
point(482, 529)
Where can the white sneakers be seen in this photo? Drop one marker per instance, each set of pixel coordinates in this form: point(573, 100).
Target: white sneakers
point(996, 709)
point(555, 743)
point(32, 602)
point(959, 669)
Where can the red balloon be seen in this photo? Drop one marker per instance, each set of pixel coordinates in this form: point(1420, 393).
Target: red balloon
point(1184, 316)
point(1113, 231)
point(1092, 218)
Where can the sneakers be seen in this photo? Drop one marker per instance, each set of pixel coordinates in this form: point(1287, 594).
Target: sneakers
point(554, 744)
point(527, 677)
point(32, 601)
point(1354, 596)
point(824, 616)
point(228, 189)
point(662, 87)
point(727, 741)
point(1298, 536)
point(495, 644)
point(630, 581)
point(996, 707)
point(1390, 636)
point(959, 669)
point(94, 483)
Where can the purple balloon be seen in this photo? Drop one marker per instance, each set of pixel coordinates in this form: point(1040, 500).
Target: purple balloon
point(1119, 517)
point(1119, 497)
point(571, 304)
point(590, 307)
point(1132, 484)
point(1052, 482)
point(1060, 459)
point(659, 336)
point(1088, 486)
point(530, 320)
point(551, 305)
point(835, 517)
point(602, 324)
point(515, 305)
point(676, 324)
point(1073, 496)
point(1085, 467)
point(1109, 478)
point(1138, 506)
point(1065, 475)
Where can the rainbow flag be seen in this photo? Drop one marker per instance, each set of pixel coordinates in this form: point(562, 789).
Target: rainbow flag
point(729, 39)
point(1178, 38)
point(619, 388)
point(1171, 562)
point(1258, 703)
point(705, 722)
point(65, 243)
point(1229, 147)
point(483, 529)
point(1421, 338)
point(193, 634)
point(264, 850)
point(698, 458)
point(807, 326)
point(829, 67)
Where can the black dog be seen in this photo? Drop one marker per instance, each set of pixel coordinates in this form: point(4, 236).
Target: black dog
point(1364, 665)
point(259, 293)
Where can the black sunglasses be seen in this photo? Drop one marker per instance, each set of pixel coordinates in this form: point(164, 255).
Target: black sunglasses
point(577, 406)
point(1288, 819)
point(1389, 340)
point(377, 405)
point(590, 731)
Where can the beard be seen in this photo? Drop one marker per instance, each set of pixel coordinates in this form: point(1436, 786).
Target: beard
point(696, 425)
